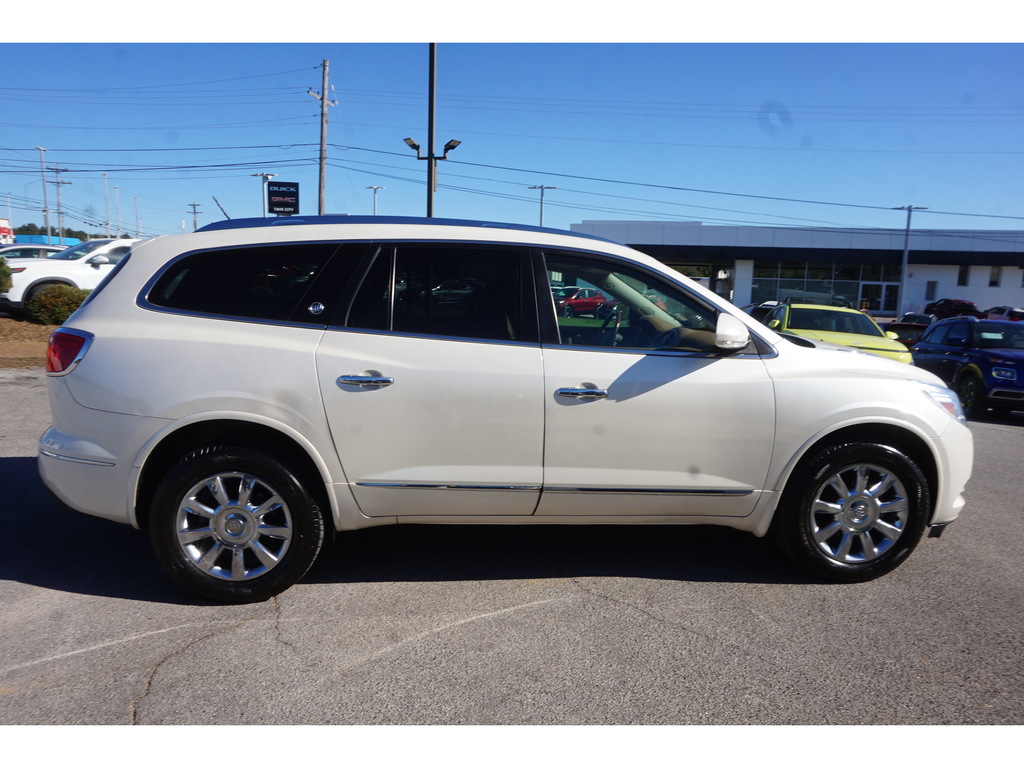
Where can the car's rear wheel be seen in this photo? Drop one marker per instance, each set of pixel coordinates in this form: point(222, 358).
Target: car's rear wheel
point(972, 396)
point(234, 524)
point(853, 512)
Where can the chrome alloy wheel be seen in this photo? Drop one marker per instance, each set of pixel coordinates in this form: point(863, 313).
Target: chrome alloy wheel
point(233, 526)
point(858, 513)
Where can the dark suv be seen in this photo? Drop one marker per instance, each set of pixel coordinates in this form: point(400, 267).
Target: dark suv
point(983, 360)
point(945, 308)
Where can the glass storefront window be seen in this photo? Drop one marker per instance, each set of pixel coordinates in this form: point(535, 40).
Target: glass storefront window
point(793, 270)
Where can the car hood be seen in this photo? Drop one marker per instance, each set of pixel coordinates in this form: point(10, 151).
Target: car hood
point(850, 360)
point(1016, 355)
point(855, 340)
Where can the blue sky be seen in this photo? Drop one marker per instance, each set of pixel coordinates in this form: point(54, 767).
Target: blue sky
point(776, 133)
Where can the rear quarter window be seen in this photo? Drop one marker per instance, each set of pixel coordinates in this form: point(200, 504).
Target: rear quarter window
point(267, 282)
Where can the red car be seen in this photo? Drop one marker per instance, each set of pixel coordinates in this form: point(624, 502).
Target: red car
point(571, 301)
point(944, 308)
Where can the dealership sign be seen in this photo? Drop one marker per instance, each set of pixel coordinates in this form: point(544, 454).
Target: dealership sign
point(282, 198)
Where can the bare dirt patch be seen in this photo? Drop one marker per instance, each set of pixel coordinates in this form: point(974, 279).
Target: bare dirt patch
point(23, 344)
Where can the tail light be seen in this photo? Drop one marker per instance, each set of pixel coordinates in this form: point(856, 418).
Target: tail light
point(66, 350)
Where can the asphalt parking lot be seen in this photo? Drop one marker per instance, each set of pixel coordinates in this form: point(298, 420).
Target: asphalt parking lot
point(504, 625)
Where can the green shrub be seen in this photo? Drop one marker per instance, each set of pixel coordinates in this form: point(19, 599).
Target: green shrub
point(54, 305)
point(5, 276)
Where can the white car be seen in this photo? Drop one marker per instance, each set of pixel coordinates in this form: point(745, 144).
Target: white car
point(28, 251)
point(241, 390)
point(80, 266)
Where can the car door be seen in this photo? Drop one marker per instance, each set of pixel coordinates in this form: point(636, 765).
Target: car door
point(948, 351)
point(645, 416)
point(437, 408)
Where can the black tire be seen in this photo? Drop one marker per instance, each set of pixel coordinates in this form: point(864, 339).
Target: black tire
point(971, 392)
point(852, 512)
point(568, 311)
point(35, 290)
point(234, 524)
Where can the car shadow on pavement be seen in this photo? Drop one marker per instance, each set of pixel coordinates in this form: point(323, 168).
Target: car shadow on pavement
point(496, 552)
point(46, 546)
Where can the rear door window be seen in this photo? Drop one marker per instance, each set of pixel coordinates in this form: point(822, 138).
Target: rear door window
point(454, 291)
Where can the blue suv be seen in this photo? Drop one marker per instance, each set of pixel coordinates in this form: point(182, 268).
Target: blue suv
point(983, 360)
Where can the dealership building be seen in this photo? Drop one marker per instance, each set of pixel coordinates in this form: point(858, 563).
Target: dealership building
point(861, 267)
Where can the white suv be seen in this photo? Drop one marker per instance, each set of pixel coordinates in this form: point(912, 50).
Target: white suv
point(244, 389)
point(80, 266)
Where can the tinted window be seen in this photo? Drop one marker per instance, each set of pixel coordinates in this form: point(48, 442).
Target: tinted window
point(457, 291)
point(259, 282)
point(936, 334)
point(958, 335)
point(627, 308)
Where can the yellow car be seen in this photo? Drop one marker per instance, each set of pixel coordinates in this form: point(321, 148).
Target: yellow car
point(838, 325)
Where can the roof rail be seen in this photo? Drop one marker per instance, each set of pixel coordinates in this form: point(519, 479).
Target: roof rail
point(344, 218)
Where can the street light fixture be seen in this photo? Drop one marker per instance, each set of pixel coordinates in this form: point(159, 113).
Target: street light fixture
point(431, 157)
point(431, 167)
point(266, 177)
point(375, 198)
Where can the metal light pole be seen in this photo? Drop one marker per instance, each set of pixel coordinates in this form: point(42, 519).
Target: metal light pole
point(542, 188)
point(375, 198)
point(906, 255)
point(431, 158)
point(266, 177)
point(46, 203)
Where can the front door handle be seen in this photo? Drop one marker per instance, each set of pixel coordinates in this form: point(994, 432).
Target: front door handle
point(365, 380)
point(582, 393)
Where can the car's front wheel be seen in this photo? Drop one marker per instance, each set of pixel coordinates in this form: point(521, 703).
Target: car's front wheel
point(972, 396)
point(853, 511)
point(235, 524)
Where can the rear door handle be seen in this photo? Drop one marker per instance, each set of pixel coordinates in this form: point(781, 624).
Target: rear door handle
point(365, 380)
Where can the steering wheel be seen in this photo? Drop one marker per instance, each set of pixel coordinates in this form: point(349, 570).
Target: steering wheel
point(668, 339)
point(607, 336)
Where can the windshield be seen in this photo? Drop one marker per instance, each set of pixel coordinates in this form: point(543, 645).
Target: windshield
point(827, 321)
point(77, 251)
point(1000, 336)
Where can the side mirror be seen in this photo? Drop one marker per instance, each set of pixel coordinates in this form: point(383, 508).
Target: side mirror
point(730, 333)
point(892, 335)
point(98, 261)
point(774, 324)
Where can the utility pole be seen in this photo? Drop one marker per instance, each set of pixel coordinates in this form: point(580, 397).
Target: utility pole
point(324, 104)
point(106, 206)
point(906, 257)
point(117, 211)
point(60, 213)
point(136, 216)
point(195, 222)
point(542, 188)
point(46, 204)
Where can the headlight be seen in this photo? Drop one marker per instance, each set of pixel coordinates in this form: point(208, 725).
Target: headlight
point(948, 401)
point(1004, 374)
